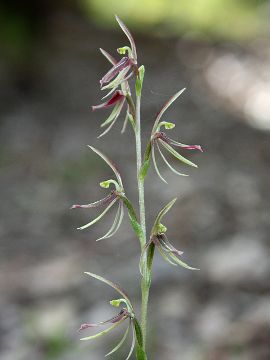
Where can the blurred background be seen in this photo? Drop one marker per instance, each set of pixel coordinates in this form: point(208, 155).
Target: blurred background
point(50, 68)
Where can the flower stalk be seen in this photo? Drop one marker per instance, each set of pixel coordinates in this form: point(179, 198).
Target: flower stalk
point(116, 80)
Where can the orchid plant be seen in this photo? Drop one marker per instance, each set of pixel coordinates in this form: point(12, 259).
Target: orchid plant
point(121, 99)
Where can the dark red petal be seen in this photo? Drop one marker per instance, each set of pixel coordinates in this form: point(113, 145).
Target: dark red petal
point(124, 62)
point(117, 96)
point(165, 138)
point(105, 201)
point(123, 313)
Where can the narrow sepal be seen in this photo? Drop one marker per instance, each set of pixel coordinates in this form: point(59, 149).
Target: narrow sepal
point(121, 342)
point(165, 256)
point(164, 108)
point(108, 56)
point(104, 332)
point(114, 114)
point(129, 36)
point(132, 344)
point(156, 167)
point(98, 217)
point(109, 162)
point(160, 215)
point(176, 154)
point(181, 263)
point(168, 164)
point(113, 285)
point(116, 223)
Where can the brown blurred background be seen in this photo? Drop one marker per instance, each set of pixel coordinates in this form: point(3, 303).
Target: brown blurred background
point(49, 72)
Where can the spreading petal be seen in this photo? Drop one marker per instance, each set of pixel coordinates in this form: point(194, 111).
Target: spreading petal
point(132, 344)
point(119, 79)
point(123, 314)
point(121, 342)
point(99, 217)
point(165, 138)
point(116, 224)
point(168, 164)
point(176, 154)
point(122, 64)
point(155, 165)
point(112, 118)
point(105, 201)
point(116, 98)
point(104, 332)
point(168, 246)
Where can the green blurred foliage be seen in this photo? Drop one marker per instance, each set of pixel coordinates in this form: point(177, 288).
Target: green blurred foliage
point(219, 19)
point(23, 23)
point(15, 34)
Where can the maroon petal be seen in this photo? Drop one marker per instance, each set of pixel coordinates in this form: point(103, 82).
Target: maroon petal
point(168, 246)
point(117, 96)
point(124, 62)
point(165, 138)
point(123, 314)
point(105, 201)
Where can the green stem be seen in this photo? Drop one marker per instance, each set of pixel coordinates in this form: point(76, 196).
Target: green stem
point(145, 285)
point(139, 164)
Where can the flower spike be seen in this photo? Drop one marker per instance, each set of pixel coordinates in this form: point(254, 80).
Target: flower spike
point(118, 75)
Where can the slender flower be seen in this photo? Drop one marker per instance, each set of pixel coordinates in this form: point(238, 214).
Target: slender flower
point(123, 69)
point(126, 313)
point(115, 196)
point(159, 240)
point(117, 76)
point(159, 140)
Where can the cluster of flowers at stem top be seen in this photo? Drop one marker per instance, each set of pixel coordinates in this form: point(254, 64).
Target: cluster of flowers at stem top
point(119, 98)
